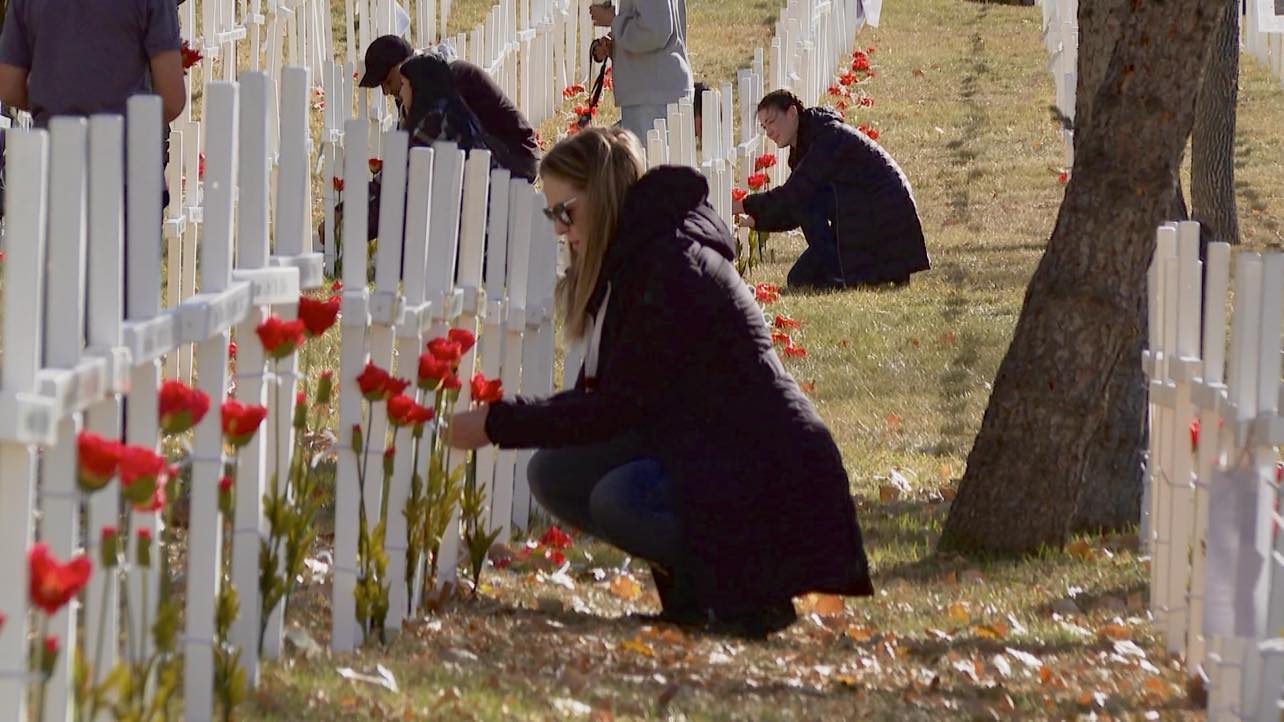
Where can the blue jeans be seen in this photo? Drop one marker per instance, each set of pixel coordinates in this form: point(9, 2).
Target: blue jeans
point(818, 266)
point(612, 491)
point(638, 119)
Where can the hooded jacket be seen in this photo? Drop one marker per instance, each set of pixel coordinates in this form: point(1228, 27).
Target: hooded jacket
point(686, 361)
point(876, 221)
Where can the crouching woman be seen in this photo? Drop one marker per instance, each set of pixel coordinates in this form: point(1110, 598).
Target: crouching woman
point(684, 442)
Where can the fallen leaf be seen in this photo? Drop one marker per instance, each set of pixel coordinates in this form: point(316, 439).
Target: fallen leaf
point(1079, 549)
point(1045, 674)
point(1029, 660)
point(858, 633)
point(997, 630)
point(888, 493)
point(1114, 631)
point(917, 72)
point(893, 421)
point(824, 605)
point(957, 612)
point(808, 387)
point(637, 645)
point(625, 587)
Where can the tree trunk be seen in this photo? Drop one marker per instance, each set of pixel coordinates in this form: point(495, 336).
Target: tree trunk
point(1212, 148)
point(1079, 319)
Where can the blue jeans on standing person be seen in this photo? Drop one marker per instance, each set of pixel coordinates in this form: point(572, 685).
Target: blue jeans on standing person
point(638, 119)
point(612, 491)
point(818, 266)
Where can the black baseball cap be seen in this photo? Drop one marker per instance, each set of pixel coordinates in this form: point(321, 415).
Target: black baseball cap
point(385, 53)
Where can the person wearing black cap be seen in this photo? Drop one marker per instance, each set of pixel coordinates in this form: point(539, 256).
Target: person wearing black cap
point(511, 135)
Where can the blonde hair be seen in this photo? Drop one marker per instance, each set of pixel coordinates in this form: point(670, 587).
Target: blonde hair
point(601, 164)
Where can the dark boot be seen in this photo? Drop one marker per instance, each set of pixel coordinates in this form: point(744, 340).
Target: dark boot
point(677, 599)
point(756, 623)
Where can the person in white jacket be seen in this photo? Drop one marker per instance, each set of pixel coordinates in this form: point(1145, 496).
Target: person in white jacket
point(648, 50)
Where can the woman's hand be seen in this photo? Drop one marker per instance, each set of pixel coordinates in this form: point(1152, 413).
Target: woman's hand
point(602, 15)
point(602, 48)
point(467, 429)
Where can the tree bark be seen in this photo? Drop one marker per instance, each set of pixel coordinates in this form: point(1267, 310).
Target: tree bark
point(1212, 148)
point(1079, 319)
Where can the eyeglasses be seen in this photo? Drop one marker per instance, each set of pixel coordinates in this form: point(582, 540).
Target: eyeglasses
point(561, 212)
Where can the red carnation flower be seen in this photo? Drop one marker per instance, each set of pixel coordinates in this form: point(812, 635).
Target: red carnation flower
point(485, 391)
point(54, 583)
point(556, 538)
point(756, 181)
point(280, 338)
point(180, 406)
point(738, 193)
point(96, 459)
point(241, 421)
point(318, 316)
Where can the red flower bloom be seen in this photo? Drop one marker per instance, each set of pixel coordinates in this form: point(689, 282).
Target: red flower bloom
point(841, 105)
point(870, 50)
point(860, 63)
point(1194, 435)
point(1063, 177)
point(54, 583)
point(180, 406)
point(97, 459)
point(781, 337)
point(144, 534)
point(403, 411)
point(338, 183)
point(867, 101)
point(191, 56)
point(871, 132)
point(556, 538)
point(394, 386)
point(766, 292)
point(847, 78)
point(140, 470)
point(485, 390)
point(225, 484)
point(432, 370)
point(240, 421)
point(766, 160)
point(757, 180)
point(835, 90)
point(446, 349)
point(318, 316)
point(231, 350)
point(373, 382)
point(738, 193)
point(795, 351)
point(280, 337)
point(571, 91)
point(452, 383)
point(787, 322)
point(336, 285)
point(376, 165)
point(555, 556)
point(200, 166)
point(462, 336)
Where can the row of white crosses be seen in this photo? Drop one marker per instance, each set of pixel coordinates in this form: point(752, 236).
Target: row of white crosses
point(1263, 34)
point(1210, 519)
point(65, 370)
point(428, 280)
point(1061, 38)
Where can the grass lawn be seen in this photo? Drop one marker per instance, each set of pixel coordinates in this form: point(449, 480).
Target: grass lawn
point(902, 378)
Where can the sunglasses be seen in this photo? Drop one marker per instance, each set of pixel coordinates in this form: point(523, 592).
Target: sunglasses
point(561, 212)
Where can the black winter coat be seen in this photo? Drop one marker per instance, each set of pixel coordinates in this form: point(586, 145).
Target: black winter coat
point(879, 234)
point(686, 360)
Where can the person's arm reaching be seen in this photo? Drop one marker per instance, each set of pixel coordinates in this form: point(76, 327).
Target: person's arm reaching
point(13, 86)
point(648, 29)
point(15, 59)
point(773, 210)
point(169, 83)
point(161, 42)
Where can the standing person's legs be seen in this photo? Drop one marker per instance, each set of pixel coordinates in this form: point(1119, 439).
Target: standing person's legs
point(818, 265)
point(562, 480)
point(638, 119)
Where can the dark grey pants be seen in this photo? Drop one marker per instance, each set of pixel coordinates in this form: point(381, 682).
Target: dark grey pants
point(612, 491)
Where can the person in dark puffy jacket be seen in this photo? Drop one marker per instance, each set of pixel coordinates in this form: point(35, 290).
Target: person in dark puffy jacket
point(851, 200)
point(684, 442)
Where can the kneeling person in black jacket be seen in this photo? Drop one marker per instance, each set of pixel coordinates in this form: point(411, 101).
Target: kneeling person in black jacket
point(851, 200)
